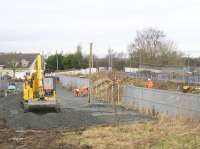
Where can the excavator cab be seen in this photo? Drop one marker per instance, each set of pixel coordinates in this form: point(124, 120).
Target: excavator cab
point(49, 87)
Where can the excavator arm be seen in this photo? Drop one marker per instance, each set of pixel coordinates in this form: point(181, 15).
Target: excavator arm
point(39, 91)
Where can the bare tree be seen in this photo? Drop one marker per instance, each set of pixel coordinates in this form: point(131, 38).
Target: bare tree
point(116, 60)
point(119, 60)
point(131, 54)
point(151, 47)
point(13, 63)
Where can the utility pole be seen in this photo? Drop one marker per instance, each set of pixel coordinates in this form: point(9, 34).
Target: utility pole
point(90, 65)
point(188, 62)
point(56, 60)
point(188, 67)
point(140, 59)
point(108, 60)
point(92, 57)
point(110, 57)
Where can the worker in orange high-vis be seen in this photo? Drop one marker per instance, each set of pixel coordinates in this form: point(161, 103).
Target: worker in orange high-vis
point(149, 83)
point(76, 92)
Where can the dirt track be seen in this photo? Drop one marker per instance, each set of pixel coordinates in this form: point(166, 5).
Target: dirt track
point(75, 113)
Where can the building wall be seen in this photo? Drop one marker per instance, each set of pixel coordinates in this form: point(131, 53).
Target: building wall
point(24, 63)
point(19, 74)
point(1, 68)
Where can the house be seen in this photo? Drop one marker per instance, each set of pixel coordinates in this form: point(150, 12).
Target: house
point(1, 67)
point(23, 63)
point(22, 60)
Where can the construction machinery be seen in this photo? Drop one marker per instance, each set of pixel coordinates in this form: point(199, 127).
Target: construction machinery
point(39, 91)
point(195, 89)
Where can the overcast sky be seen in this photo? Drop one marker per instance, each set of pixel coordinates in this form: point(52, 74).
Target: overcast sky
point(50, 25)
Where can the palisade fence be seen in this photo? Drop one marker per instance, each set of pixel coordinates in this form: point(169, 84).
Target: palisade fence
point(171, 103)
point(166, 77)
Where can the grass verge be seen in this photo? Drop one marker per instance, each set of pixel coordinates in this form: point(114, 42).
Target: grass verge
point(163, 133)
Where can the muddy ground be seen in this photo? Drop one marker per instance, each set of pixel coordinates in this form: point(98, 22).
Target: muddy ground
point(35, 139)
point(75, 113)
point(41, 129)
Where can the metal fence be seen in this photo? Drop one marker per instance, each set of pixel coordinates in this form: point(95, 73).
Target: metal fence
point(3, 84)
point(68, 80)
point(169, 102)
point(167, 77)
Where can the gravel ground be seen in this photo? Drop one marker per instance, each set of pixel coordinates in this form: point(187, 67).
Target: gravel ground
point(75, 113)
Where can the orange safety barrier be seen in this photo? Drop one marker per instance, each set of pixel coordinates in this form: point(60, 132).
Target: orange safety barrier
point(81, 91)
point(84, 91)
point(76, 92)
point(150, 84)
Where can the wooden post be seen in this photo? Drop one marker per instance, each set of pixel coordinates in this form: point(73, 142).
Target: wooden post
point(112, 96)
point(90, 81)
point(96, 91)
point(113, 99)
point(107, 95)
point(118, 92)
point(114, 104)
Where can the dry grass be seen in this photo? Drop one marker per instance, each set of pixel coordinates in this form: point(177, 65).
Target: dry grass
point(164, 133)
point(165, 85)
point(157, 84)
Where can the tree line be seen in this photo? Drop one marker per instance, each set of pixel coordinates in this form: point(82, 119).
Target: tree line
point(67, 61)
point(150, 47)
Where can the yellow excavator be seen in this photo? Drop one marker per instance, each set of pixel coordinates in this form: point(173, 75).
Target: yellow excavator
point(39, 91)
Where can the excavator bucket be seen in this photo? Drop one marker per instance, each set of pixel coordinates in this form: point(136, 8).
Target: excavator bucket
point(41, 105)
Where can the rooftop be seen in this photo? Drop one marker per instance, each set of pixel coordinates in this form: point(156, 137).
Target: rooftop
point(7, 58)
